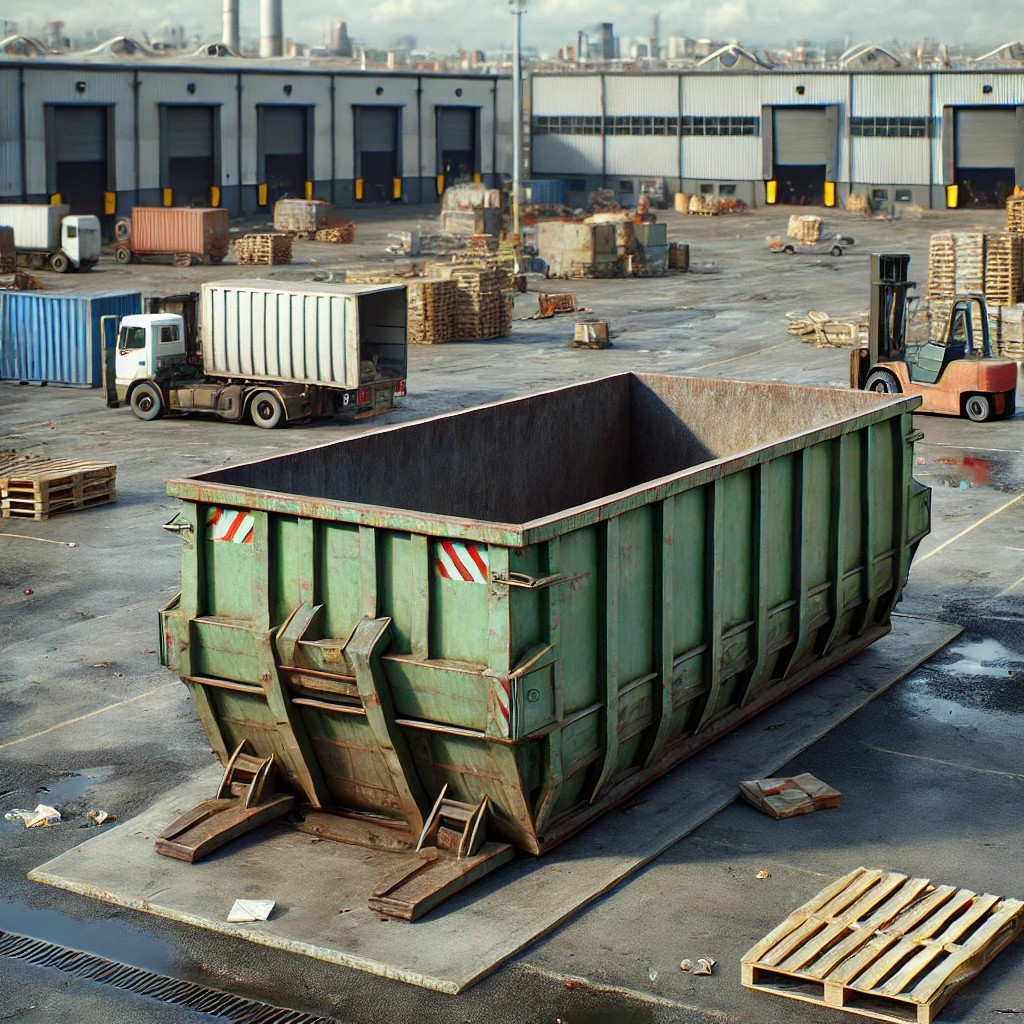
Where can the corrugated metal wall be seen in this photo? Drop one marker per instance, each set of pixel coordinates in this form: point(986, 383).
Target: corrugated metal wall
point(641, 94)
point(642, 156)
point(889, 161)
point(356, 91)
point(566, 94)
point(567, 154)
point(722, 159)
point(10, 135)
point(156, 87)
point(44, 85)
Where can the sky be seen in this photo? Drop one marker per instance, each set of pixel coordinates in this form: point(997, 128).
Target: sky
point(549, 24)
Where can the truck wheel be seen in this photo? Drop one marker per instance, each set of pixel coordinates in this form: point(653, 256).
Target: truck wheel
point(266, 410)
point(147, 402)
point(882, 382)
point(978, 408)
point(788, 250)
point(123, 255)
point(59, 263)
point(836, 250)
point(122, 229)
point(183, 259)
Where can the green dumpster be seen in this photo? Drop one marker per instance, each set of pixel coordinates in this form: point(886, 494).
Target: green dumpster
point(547, 601)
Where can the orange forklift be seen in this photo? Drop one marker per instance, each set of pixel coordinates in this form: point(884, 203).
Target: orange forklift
point(956, 375)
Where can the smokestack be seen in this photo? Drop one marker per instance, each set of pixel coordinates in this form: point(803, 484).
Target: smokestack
point(271, 28)
point(229, 32)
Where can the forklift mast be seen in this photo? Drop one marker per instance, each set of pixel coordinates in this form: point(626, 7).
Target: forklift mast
point(887, 331)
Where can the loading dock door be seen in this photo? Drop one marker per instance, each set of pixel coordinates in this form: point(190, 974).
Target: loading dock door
point(77, 139)
point(456, 143)
point(188, 153)
point(284, 150)
point(802, 154)
point(376, 145)
point(985, 154)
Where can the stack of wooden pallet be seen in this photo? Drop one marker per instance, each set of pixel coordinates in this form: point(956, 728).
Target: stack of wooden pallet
point(1015, 213)
point(1007, 327)
point(482, 310)
point(340, 234)
point(431, 311)
point(941, 266)
point(8, 254)
point(265, 249)
point(1004, 268)
point(970, 261)
point(37, 487)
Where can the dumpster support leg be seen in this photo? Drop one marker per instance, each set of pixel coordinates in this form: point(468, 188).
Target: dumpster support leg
point(363, 650)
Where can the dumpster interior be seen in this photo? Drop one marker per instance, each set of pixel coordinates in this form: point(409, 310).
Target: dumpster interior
point(522, 460)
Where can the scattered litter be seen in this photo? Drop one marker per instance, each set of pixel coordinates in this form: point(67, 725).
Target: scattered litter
point(652, 974)
point(591, 334)
point(762, 874)
point(41, 540)
point(784, 798)
point(27, 592)
point(101, 817)
point(705, 965)
point(43, 815)
point(250, 910)
point(686, 965)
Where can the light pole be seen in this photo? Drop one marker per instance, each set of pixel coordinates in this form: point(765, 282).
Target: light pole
point(518, 10)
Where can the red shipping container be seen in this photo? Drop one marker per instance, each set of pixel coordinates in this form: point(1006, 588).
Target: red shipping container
point(199, 231)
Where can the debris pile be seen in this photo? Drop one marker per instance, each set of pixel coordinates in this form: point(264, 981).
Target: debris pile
point(263, 249)
point(8, 255)
point(858, 205)
point(340, 234)
point(302, 217)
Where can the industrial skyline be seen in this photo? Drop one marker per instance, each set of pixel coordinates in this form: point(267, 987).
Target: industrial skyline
point(442, 25)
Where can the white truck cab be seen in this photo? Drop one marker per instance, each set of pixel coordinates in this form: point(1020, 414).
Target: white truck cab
point(147, 343)
point(80, 240)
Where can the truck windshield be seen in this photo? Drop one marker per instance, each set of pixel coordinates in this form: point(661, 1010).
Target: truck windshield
point(132, 337)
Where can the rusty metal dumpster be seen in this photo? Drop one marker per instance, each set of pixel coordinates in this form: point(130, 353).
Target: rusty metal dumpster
point(544, 602)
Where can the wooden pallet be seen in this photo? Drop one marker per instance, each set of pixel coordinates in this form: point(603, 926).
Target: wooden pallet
point(882, 945)
point(37, 487)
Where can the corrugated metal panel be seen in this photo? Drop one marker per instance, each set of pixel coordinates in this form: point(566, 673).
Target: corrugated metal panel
point(307, 333)
point(11, 135)
point(566, 94)
point(963, 89)
point(456, 127)
point(890, 161)
point(80, 134)
point(566, 154)
point(283, 130)
point(180, 229)
point(986, 138)
point(352, 92)
point(49, 85)
point(889, 95)
point(548, 191)
point(642, 155)
point(160, 87)
point(722, 159)
point(376, 129)
point(35, 226)
point(642, 94)
point(56, 338)
point(307, 90)
point(801, 136)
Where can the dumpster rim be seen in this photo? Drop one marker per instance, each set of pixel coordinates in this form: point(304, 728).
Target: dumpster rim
point(196, 489)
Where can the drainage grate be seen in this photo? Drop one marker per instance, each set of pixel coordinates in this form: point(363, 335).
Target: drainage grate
point(145, 983)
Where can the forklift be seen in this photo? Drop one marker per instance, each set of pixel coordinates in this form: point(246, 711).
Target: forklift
point(956, 375)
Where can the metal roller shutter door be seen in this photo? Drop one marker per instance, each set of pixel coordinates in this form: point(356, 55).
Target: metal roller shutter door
point(801, 136)
point(80, 134)
point(986, 138)
point(283, 131)
point(456, 126)
point(190, 131)
point(376, 129)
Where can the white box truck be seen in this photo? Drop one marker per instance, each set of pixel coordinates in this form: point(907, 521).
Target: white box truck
point(267, 351)
point(48, 235)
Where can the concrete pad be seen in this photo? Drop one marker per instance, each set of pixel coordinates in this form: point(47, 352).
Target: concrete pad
point(321, 887)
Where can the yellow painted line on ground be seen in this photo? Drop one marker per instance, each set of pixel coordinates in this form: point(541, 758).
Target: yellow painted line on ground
point(964, 532)
point(82, 718)
point(1013, 586)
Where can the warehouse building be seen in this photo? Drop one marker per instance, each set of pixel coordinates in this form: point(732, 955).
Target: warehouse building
point(235, 133)
point(934, 138)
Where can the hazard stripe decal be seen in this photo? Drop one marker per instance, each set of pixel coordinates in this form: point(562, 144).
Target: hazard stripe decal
point(502, 689)
point(464, 563)
point(229, 525)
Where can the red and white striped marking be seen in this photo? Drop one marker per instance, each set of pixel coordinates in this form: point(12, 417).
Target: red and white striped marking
point(503, 701)
point(466, 563)
point(229, 525)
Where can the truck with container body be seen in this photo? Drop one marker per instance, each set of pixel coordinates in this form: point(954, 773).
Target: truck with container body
point(48, 235)
point(188, 235)
point(272, 352)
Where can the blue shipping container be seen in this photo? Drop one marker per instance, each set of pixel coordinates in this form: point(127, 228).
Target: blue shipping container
point(56, 338)
point(545, 191)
